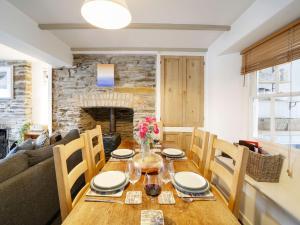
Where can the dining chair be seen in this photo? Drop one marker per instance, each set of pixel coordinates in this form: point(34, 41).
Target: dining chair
point(198, 148)
point(66, 179)
point(160, 125)
point(216, 172)
point(96, 149)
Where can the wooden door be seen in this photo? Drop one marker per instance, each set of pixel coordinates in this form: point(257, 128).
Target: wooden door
point(193, 90)
point(182, 91)
point(171, 90)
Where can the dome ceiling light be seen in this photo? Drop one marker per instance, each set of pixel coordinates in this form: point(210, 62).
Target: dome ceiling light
point(106, 14)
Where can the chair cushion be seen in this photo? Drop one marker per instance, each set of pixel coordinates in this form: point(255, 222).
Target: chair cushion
point(13, 165)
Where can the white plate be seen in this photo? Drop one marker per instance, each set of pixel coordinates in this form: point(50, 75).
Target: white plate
point(122, 152)
point(190, 180)
point(172, 152)
point(109, 179)
point(190, 191)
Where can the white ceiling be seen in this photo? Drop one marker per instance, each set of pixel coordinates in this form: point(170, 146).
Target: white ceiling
point(213, 12)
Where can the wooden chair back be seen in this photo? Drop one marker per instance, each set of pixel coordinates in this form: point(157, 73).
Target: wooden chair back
point(198, 148)
point(97, 153)
point(234, 181)
point(65, 179)
point(161, 130)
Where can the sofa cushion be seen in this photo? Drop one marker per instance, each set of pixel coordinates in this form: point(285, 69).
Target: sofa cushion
point(35, 157)
point(13, 165)
point(39, 155)
point(28, 144)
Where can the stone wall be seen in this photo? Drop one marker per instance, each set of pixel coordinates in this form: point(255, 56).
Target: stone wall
point(134, 75)
point(15, 112)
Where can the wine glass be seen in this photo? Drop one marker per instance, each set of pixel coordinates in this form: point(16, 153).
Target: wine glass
point(166, 172)
point(133, 172)
point(152, 185)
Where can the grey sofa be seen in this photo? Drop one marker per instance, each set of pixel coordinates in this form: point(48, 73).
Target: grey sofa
point(28, 191)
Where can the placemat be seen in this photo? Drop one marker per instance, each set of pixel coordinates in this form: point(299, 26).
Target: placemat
point(205, 195)
point(177, 159)
point(112, 159)
point(92, 193)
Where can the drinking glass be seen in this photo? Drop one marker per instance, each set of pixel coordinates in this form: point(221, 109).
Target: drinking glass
point(166, 172)
point(133, 172)
point(152, 185)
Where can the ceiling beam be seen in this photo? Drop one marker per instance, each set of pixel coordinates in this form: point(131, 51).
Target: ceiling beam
point(139, 49)
point(148, 26)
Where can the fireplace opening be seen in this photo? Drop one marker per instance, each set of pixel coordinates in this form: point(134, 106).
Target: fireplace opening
point(116, 124)
point(3, 143)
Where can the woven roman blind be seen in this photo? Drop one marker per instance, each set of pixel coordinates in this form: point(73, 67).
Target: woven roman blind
point(278, 48)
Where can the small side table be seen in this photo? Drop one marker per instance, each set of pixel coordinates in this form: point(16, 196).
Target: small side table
point(32, 134)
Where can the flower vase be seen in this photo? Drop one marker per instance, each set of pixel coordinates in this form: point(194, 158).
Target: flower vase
point(145, 149)
point(149, 162)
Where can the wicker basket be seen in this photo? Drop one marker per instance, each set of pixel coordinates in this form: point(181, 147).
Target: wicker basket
point(264, 167)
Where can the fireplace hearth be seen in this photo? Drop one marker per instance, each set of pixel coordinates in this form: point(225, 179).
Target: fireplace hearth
point(116, 124)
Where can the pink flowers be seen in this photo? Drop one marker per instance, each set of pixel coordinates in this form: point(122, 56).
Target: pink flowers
point(149, 119)
point(147, 130)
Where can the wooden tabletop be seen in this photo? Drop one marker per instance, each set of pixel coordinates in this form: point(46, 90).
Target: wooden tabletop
point(194, 213)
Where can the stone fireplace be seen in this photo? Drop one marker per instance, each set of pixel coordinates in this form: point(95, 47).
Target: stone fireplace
point(79, 103)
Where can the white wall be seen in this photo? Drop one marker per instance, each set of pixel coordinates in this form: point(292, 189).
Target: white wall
point(227, 111)
point(41, 93)
point(226, 97)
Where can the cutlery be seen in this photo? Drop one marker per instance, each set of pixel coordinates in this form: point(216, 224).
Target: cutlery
point(103, 200)
point(190, 199)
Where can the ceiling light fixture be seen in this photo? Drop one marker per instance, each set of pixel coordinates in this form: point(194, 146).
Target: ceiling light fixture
point(107, 14)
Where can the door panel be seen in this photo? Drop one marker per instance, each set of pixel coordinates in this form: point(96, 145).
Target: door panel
point(194, 92)
point(172, 91)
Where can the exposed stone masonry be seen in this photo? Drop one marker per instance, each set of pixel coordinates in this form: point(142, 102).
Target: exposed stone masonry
point(134, 78)
point(15, 112)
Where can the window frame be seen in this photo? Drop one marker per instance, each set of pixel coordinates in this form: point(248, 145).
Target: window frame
point(253, 111)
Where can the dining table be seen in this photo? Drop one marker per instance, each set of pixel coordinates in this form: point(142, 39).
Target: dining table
point(197, 212)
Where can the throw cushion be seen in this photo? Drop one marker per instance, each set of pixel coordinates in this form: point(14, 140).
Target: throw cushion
point(42, 140)
point(13, 165)
point(55, 137)
point(70, 136)
point(29, 144)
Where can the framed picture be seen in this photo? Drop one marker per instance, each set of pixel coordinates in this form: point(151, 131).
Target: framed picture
point(6, 82)
point(105, 75)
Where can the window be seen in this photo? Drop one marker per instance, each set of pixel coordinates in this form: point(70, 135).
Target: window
point(276, 104)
